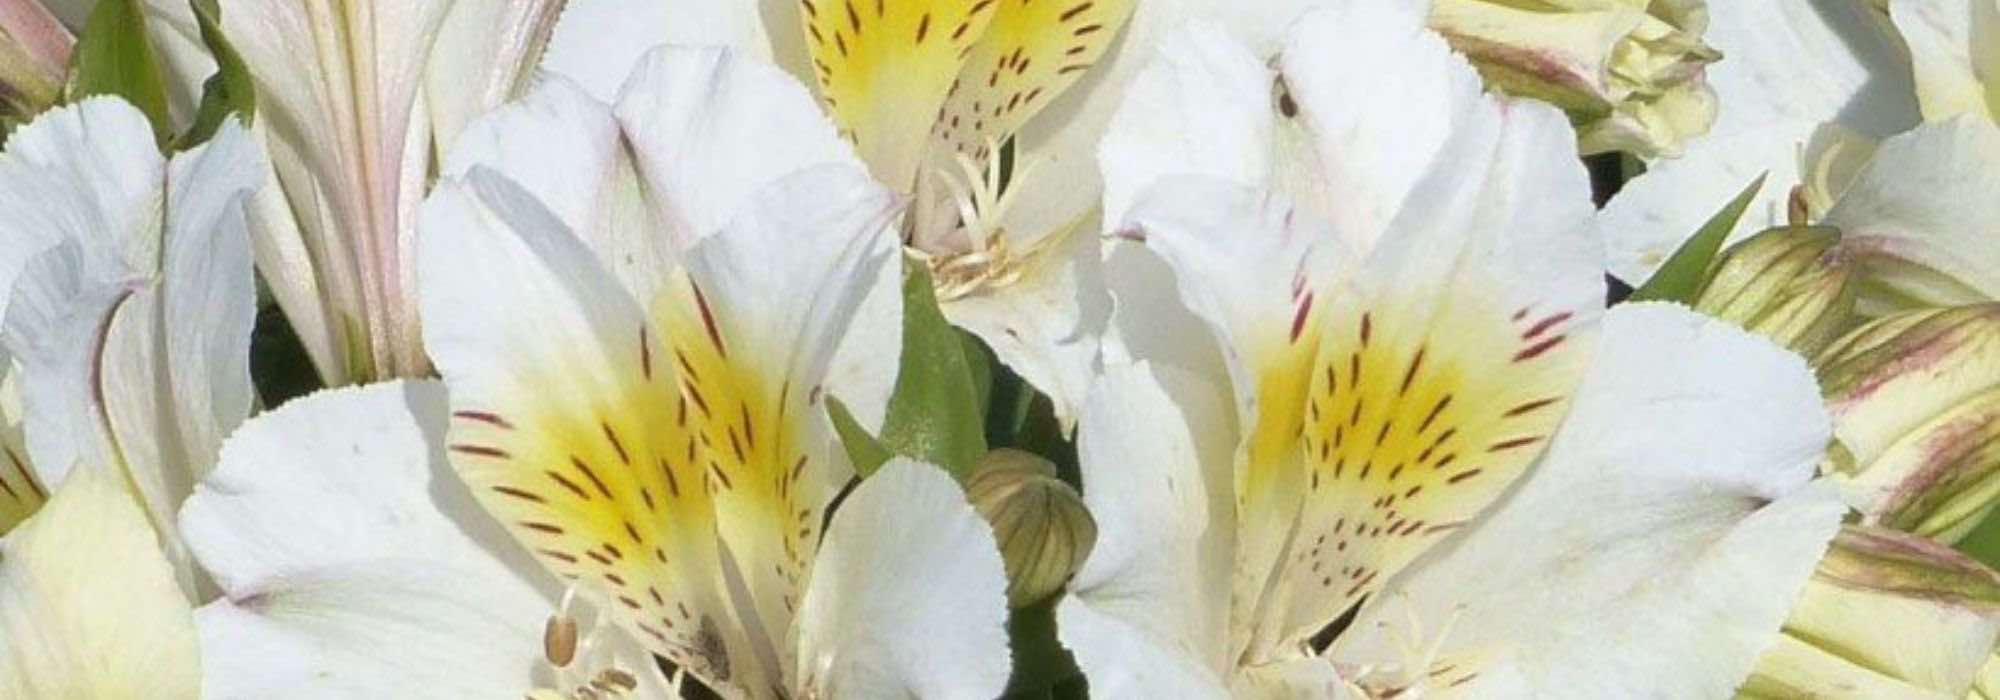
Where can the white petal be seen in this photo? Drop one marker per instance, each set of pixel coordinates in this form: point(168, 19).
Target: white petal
point(88, 172)
point(88, 607)
point(865, 365)
point(138, 408)
point(1808, 62)
point(285, 261)
point(1122, 662)
point(1373, 151)
point(1955, 62)
point(1045, 325)
point(1931, 197)
point(1155, 446)
point(788, 273)
point(54, 325)
point(339, 84)
point(209, 291)
point(907, 596)
point(556, 141)
point(1148, 320)
point(483, 53)
point(565, 148)
point(159, 358)
point(354, 563)
point(1241, 260)
point(710, 127)
point(598, 42)
point(1201, 106)
point(1665, 581)
point(577, 307)
point(695, 133)
point(1064, 138)
point(1789, 67)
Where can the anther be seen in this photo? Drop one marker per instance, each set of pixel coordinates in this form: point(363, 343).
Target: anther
point(559, 640)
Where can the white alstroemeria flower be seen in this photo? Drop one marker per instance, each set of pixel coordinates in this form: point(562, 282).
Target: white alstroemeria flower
point(131, 314)
point(88, 606)
point(1954, 58)
point(686, 141)
point(1653, 550)
point(354, 563)
point(356, 102)
point(671, 451)
point(1805, 90)
point(926, 89)
point(1395, 370)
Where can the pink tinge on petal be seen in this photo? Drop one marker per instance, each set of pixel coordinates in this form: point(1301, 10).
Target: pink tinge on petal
point(39, 32)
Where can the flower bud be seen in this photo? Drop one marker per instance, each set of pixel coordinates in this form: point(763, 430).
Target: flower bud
point(34, 50)
point(1789, 284)
point(1042, 527)
point(1630, 73)
point(1886, 614)
point(1915, 399)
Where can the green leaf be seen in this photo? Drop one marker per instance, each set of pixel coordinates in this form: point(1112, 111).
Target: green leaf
point(1983, 543)
point(114, 56)
point(863, 449)
point(934, 414)
point(980, 361)
point(1683, 275)
point(228, 91)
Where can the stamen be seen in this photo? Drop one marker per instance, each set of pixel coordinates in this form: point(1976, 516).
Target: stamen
point(1412, 676)
point(572, 655)
point(982, 197)
point(559, 634)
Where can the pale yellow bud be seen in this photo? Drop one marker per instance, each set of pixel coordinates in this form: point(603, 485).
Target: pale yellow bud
point(1789, 284)
point(1886, 615)
point(1630, 73)
point(1040, 523)
point(1915, 399)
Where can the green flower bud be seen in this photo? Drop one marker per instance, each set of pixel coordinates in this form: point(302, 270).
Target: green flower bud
point(1915, 399)
point(1630, 73)
point(1043, 529)
point(1789, 284)
point(1886, 614)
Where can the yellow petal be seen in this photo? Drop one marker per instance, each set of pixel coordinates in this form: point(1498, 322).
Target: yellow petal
point(884, 67)
point(567, 422)
point(88, 604)
point(1031, 52)
point(678, 466)
point(1413, 425)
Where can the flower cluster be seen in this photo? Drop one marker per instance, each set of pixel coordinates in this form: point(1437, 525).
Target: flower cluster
point(855, 349)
